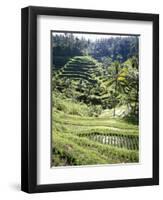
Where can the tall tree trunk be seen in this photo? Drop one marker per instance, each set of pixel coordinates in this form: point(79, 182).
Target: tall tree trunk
point(115, 89)
point(114, 112)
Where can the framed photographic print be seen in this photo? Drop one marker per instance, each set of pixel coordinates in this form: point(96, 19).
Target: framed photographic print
point(90, 99)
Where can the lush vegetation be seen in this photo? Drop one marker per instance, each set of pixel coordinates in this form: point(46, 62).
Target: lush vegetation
point(95, 108)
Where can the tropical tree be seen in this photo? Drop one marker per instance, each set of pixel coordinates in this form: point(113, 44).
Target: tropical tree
point(124, 85)
point(116, 80)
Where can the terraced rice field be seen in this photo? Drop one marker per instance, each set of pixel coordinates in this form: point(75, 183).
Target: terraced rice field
point(95, 99)
point(79, 140)
point(79, 69)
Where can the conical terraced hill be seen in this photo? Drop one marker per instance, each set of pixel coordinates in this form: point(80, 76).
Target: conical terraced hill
point(81, 68)
point(84, 74)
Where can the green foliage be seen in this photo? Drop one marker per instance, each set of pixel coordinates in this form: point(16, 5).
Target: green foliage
point(81, 151)
point(67, 106)
point(95, 100)
point(74, 154)
point(67, 45)
point(95, 110)
point(119, 48)
point(83, 121)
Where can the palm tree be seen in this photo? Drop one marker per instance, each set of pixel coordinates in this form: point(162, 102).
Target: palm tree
point(116, 79)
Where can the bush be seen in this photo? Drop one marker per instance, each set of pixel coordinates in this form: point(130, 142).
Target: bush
point(95, 110)
point(69, 106)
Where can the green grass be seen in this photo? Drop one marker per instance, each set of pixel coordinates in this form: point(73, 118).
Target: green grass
point(92, 121)
point(68, 106)
point(72, 131)
point(82, 151)
point(85, 130)
point(73, 153)
point(77, 127)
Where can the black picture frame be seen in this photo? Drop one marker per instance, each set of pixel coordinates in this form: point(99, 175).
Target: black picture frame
point(29, 99)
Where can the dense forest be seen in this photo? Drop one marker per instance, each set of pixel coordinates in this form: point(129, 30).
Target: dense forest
point(104, 50)
point(95, 93)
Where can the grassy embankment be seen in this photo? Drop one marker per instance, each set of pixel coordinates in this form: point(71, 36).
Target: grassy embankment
point(78, 139)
